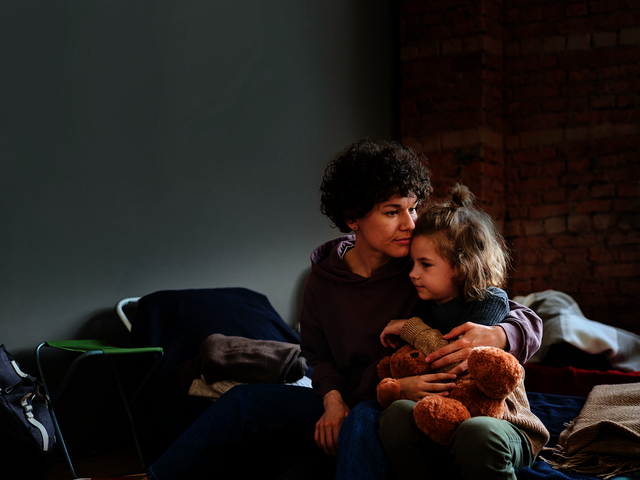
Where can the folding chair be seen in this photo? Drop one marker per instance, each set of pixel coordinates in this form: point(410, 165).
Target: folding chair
point(90, 348)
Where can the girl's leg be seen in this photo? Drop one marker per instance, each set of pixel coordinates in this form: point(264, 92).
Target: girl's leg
point(483, 447)
point(244, 412)
point(360, 453)
point(410, 452)
point(486, 447)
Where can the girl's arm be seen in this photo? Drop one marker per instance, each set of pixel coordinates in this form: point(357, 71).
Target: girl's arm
point(390, 336)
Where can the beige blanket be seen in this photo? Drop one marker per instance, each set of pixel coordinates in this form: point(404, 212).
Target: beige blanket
point(604, 439)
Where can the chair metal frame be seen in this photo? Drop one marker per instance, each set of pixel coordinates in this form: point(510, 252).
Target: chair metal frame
point(122, 304)
point(53, 401)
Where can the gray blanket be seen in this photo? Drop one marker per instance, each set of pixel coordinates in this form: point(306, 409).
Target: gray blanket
point(249, 361)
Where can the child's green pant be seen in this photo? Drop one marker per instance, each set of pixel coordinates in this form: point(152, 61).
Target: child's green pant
point(483, 448)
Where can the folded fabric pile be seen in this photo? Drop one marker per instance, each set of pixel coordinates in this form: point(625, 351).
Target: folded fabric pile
point(604, 439)
point(225, 361)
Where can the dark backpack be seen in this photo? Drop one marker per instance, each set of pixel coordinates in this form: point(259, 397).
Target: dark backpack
point(26, 429)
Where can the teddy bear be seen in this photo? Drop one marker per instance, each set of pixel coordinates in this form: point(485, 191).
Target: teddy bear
point(493, 375)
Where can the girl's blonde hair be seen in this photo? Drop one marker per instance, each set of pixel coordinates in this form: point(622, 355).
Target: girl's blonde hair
point(469, 240)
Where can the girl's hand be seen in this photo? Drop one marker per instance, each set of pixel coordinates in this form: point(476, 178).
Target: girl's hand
point(417, 387)
point(390, 336)
point(471, 335)
point(328, 427)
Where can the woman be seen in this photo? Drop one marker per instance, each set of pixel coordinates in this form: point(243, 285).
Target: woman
point(357, 285)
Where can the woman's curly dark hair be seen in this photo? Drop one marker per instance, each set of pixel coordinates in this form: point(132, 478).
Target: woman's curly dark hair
point(367, 173)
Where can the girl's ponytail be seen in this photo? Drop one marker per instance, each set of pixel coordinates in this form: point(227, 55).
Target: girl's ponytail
point(461, 196)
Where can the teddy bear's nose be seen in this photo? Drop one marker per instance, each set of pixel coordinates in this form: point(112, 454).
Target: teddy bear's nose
point(414, 354)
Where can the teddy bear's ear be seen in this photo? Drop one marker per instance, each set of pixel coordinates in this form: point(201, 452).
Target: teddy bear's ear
point(384, 368)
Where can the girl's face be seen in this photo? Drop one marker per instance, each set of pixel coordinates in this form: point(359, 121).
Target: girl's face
point(386, 230)
point(431, 275)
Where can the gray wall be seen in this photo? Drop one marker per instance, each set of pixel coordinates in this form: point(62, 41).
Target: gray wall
point(152, 145)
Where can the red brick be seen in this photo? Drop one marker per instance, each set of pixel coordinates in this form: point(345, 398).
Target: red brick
point(535, 155)
point(564, 241)
point(531, 271)
point(602, 101)
point(545, 211)
point(551, 256)
point(555, 195)
point(581, 178)
point(578, 223)
point(521, 287)
point(608, 190)
point(618, 270)
point(577, 9)
point(538, 183)
point(554, 225)
point(594, 206)
point(542, 284)
point(630, 288)
point(604, 221)
point(553, 12)
point(626, 205)
point(628, 189)
point(572, 271)
point(629, 254)
point(624, 238)
point(600, 255)
point(623, 174)
point(602, 6)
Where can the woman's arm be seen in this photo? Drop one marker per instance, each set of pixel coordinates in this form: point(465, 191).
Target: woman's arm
point(520, 334)
point(328, 427)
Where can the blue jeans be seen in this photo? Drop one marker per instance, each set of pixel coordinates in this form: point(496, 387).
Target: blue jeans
point(253, 414)
point(360, 453)
point(278, 416)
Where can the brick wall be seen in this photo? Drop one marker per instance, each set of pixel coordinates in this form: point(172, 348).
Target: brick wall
point(536, 106)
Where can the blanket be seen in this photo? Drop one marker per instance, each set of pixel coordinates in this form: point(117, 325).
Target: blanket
point(604, 439)
point(571, 381)
point(564, 322)
point(248, 360)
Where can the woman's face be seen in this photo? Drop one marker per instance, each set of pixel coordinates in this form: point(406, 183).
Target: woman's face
point(432, 275)
point(387, 228)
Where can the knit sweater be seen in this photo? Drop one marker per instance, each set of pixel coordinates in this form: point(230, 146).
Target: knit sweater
point(517, 410)
point(489, 311)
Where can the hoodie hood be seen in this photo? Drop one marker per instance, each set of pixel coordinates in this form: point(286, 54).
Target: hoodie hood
point(328, 261)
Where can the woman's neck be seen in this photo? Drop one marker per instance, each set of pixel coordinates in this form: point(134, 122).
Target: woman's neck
point(364, 264)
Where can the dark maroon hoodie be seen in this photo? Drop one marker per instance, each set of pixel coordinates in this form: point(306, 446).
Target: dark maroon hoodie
point(343, 315)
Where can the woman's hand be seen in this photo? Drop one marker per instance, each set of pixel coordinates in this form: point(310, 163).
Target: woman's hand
point(328, 427)
point(417, 387)
point(471, 335)
point(390, 336)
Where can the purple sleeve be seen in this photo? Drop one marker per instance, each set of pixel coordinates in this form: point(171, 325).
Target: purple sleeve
point(524, 331)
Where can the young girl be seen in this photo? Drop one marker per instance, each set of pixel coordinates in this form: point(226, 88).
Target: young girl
point(460, 261)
